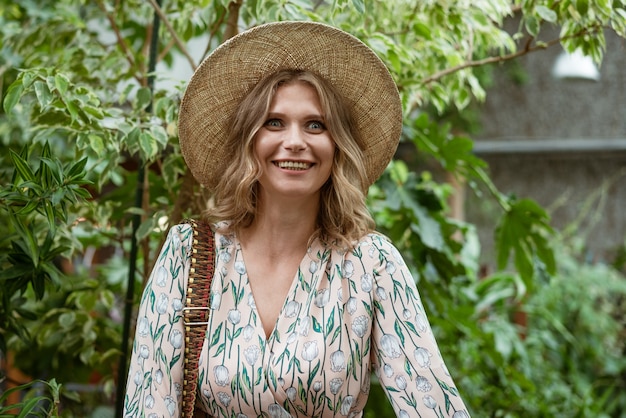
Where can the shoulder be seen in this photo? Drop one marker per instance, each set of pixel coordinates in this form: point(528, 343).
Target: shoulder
point(179, 239)
point(380, 245)
point(182, 232)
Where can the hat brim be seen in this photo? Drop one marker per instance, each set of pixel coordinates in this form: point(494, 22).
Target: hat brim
point(230, 72)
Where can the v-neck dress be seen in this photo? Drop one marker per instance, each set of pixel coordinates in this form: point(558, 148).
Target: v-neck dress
point(346, 314)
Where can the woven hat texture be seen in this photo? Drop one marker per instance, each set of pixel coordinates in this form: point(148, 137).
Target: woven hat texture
point(225, 77)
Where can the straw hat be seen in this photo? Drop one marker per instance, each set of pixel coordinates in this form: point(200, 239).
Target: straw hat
point(224, 78)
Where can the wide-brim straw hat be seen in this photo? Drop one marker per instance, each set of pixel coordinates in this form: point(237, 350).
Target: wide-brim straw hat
point(230, 72)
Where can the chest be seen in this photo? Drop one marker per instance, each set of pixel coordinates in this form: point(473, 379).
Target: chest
point(318, 345)
point(270, 282)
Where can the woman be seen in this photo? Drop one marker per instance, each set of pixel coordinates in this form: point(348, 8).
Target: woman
point(289, 124)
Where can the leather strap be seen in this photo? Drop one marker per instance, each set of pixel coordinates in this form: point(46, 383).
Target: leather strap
point(196, 311)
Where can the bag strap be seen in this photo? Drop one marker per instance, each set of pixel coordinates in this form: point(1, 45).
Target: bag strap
point(196, 310)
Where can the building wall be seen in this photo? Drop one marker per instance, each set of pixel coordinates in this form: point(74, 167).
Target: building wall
point(561, 142)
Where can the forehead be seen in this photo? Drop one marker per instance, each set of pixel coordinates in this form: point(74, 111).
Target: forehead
point(296, 93)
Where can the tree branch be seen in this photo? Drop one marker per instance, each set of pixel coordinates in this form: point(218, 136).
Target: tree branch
point(188, 197)
point(120, 41)
point(172, 32)
point(501, 58)
point(233, 18)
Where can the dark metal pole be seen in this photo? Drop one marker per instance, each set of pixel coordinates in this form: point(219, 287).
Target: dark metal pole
point(136, 222)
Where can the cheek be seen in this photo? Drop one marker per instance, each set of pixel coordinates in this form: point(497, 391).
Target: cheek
point(330, 148)
point(259, 146)
point(258, 152)
point(332, 151)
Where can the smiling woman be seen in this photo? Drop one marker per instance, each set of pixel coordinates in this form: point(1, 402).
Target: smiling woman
point(307, 299)
point(346, 217)
point(294, 149)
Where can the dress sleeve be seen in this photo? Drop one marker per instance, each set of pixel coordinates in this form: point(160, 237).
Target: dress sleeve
point(154, 384)
point(405, 355)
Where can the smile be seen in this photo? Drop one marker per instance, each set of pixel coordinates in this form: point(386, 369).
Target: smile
point(293, 165)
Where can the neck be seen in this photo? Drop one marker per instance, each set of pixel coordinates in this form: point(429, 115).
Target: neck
point(281, 228)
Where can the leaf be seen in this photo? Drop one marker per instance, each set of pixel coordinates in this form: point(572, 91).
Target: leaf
point(532, 25)
point(546, 14)
point(77, 168)
point(411, 327)
point(55, 169)
point(43, 172)
point(398, 329)
point(6, 393)
point(246, 380)
point(317, 327)
point(28, 242)
point(582, 7)
point(30, 206)
point(29, 407)
point(131, 140)
point(61, 82)
point(73, 109)
point(83, 193)
point(67, 320)
point(422, 30)
point(504, 239)
point(22, 167)
point(145, 228)
point(15, 271)
point(545, 253)
point(330, 324)
point(94, 111)
point(159, 134)
point(50, 215)
point(174, 360)
point(144, 97)
point(148, 145)
point(521, 230)
point(408, 367)
point(428, 228)
point(13, 96)
point(55, 252)
point(399, 171)
point(108, 298)
point(313, 374)
point(96, 143)
point(44, 96)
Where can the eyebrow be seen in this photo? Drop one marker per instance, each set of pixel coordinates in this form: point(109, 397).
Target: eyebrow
point(307, 117)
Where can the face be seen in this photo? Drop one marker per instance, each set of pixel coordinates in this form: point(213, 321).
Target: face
point(293, 145)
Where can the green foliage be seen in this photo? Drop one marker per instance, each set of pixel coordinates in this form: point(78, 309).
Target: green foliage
point(80, 119)
point(37, 204)
point(524, 228)
point(577, 326)
point(77, 331)
point(555, 352)
point(33, 404)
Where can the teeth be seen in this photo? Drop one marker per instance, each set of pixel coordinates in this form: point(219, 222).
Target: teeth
point(293, 165)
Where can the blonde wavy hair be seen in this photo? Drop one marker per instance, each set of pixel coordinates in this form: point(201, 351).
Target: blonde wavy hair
point(343, 217)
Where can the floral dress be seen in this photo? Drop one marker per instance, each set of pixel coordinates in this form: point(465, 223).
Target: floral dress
point(345, 315)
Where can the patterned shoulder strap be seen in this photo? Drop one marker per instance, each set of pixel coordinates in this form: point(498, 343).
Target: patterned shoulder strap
point(196, 310)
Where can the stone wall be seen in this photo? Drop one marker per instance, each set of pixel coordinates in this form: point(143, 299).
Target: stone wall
point(561, 142)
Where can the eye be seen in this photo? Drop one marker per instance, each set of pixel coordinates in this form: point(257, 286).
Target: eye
point(273, 123)
point(316, 125)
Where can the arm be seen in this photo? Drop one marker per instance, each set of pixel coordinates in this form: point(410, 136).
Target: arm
point(156, 366)
point(405, 355)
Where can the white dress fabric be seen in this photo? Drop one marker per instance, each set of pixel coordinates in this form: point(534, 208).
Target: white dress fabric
point(345, 315)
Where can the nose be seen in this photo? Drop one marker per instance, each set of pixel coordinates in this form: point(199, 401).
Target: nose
point(295, 140)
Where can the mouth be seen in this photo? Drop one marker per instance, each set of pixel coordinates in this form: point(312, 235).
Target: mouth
point(293, 165)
